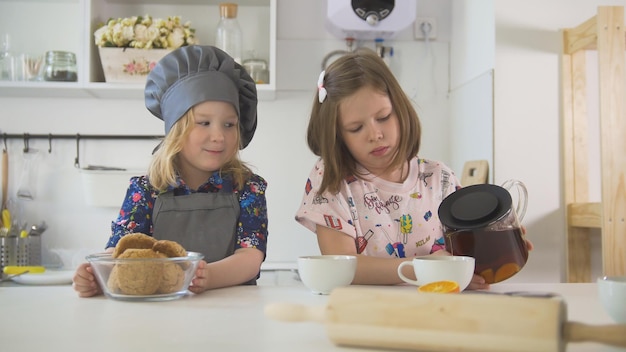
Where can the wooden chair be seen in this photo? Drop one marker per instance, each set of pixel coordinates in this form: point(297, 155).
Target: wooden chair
point(604, 33)
point(475, 172)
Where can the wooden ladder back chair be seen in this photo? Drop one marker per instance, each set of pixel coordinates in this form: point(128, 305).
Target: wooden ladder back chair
point(604, 33)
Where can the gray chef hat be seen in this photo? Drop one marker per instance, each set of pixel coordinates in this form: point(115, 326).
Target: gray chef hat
point(196, 73)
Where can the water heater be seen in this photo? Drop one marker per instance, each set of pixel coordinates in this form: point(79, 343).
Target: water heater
point(369, 19)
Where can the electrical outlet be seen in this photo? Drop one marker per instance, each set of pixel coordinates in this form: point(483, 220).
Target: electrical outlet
point(425, 28)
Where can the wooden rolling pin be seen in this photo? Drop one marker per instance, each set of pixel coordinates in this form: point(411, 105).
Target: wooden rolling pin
point(390, 319)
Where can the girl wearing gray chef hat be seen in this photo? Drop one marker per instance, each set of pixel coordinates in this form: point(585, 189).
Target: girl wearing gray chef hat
point(198, 192)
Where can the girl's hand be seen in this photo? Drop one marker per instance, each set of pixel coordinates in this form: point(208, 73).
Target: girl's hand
point(200, 282)
point(477, 283)
point(529, 244)
point(85, 282)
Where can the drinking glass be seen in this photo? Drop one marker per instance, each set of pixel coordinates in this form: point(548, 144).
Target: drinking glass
point(5, 44)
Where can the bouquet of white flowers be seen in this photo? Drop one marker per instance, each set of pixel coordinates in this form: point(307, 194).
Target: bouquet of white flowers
point(145, 33)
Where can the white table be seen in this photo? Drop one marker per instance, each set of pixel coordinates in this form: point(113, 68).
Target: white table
point(53, 318)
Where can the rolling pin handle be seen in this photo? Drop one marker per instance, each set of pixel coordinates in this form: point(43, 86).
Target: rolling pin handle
point(614, 335)
point(295, 312)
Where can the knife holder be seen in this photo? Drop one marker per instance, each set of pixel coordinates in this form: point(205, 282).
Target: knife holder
point(20, 251)
point(8, 251)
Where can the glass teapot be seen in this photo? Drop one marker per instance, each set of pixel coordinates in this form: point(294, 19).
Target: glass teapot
point(479, 221)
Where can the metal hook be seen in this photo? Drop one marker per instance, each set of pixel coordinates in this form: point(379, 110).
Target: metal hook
point(26, 137)
point(49, 143)
point(76, 163)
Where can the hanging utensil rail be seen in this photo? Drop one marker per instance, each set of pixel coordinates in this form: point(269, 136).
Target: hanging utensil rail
point(50, 136)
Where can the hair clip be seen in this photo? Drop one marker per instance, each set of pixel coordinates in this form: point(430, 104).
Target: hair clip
point(321, 91)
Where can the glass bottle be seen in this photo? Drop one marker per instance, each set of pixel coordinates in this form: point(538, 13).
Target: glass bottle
point(7, 60)
point(228, 36)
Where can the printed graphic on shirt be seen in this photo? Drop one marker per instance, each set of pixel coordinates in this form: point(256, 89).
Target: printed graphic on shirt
point(445, 183)
point(362, 241)
point(416, 195)
point(422, 242)
point(423, 176)
point(372, 202)
point(333, 222)
point(406, 226)
point(318, 199)
point(393, 248)
point(308, 187)
point(439, 245)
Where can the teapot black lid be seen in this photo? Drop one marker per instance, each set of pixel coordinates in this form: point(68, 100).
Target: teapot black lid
point(474, 206)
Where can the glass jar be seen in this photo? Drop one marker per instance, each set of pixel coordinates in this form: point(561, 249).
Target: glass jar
point(60, 66)
point(257, 69)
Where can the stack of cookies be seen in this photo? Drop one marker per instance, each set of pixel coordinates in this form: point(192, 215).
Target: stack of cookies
point(149, 274)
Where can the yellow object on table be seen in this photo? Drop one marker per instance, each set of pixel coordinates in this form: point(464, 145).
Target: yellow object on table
point(13, 269)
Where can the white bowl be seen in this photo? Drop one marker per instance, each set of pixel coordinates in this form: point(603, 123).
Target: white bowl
point(322, 273)
point(612, 294)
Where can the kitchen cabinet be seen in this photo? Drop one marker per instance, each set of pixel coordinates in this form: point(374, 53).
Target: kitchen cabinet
point(36, 26)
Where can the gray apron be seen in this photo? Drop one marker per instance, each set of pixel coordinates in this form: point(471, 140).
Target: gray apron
point(200, 222)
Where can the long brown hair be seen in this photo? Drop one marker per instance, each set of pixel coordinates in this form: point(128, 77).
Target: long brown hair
point(343, 78)
point(164, 165)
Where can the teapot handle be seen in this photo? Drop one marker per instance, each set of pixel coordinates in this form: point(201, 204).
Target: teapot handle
point(522, 199)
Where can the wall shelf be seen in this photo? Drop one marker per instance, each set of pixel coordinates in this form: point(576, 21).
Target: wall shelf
point(257, 18)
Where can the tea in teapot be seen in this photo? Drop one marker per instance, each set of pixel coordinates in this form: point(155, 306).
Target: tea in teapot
point(479, 221)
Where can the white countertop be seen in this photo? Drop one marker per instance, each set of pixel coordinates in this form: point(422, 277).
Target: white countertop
point(43, 318)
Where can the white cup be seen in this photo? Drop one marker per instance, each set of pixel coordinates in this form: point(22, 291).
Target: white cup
point(612, 294)
point(459, 269)
point(322, 273)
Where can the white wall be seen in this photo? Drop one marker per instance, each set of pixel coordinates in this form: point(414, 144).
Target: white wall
point(472, 57)
point(527, 120)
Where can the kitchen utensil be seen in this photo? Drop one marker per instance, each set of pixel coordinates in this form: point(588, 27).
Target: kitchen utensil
point(434, 268)
point(6, 219)
point(400, 319)
point(10, 277)
point(34, 244)
point(13, 269)
point(28, 180)
point(481, 222)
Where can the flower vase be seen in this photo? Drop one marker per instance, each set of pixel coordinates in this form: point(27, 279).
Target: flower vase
point(129, 65)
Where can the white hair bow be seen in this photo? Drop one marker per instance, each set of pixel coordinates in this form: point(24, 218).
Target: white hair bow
point(321, 91)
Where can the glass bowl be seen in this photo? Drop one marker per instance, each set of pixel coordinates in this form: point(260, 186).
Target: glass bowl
point(144, 279)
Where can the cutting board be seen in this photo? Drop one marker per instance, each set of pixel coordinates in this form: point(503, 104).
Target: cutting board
point(390, 319)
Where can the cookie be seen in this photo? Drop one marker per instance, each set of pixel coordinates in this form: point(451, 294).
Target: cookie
point(133, 240)
point(112, 283)
point(169, 248)
point(139, 278)
point(173, 278)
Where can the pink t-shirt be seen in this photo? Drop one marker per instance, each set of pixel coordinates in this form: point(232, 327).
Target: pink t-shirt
point(386, 219)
